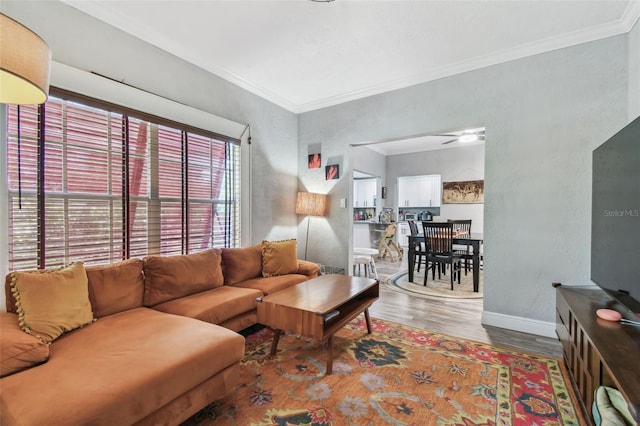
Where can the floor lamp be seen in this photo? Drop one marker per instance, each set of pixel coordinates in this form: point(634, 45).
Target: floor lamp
point(310, 204)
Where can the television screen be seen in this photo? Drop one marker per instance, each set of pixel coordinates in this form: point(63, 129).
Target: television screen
point(615, 216)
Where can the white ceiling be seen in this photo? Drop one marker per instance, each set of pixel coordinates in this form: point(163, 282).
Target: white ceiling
point(425, 143)
point(305, 55)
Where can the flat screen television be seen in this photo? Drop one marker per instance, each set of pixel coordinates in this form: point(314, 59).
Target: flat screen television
point(615, 219)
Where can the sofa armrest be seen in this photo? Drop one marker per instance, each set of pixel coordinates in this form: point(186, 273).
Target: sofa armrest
point(18, 350)
point(307, 268)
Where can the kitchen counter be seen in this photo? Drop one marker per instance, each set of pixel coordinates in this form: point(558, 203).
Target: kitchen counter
point(367, 233)
point(372, 222)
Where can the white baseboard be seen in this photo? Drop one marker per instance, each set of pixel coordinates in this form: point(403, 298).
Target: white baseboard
point(525, 325)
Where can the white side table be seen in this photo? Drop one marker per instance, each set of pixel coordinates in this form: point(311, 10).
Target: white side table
point(370, 252)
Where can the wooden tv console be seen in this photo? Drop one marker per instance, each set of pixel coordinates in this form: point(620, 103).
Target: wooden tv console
point(597, 352)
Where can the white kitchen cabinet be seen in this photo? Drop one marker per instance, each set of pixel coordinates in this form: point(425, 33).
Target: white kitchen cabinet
point(433, 190)
point(419, 191)
point(364, 192)
point(409, 191)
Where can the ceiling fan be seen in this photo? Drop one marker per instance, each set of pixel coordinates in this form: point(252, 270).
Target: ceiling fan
point(471, 135)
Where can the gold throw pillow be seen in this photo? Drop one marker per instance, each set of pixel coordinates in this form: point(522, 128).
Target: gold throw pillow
point(279, 258)
point(52, 302)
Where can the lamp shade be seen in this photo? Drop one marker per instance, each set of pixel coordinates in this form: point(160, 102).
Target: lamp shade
point(311, 204)
point(25, 61)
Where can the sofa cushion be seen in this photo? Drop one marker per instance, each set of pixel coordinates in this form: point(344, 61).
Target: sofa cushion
point(272, 284)
point(18, 350)
point(214, 306)
point(115, 288)
point(51, 302)
point(120, 369)
point(170, 277)
point(279, 258)
point(241, 263)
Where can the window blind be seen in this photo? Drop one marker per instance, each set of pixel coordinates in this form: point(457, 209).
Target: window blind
point(90, 184)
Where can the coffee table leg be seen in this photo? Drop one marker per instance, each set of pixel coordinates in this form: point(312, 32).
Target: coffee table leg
point(276, 338)
point(368, 320)
point(330, 354)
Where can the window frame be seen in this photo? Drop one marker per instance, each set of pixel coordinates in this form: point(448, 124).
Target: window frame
point(157, 121)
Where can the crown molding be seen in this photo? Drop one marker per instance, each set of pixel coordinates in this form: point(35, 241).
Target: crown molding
point(631, 15)
point(106, 14)
point(623, 25)
point(143, 32)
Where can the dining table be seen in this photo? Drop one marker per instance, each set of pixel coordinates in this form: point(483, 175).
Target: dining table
point(474, 240)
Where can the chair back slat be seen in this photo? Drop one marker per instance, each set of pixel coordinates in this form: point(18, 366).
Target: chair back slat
point(438, 237)
point(413, 228)
point(461, 226)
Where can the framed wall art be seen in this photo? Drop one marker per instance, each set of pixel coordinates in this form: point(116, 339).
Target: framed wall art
point(314, 160)
point(463, 192)
point(332, 171)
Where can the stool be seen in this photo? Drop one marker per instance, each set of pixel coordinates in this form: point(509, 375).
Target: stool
point(361, 260)
point(368, 254)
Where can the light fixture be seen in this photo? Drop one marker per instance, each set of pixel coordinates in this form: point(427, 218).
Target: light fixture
point(25, 61)
point(310, 204)
point(468, 137)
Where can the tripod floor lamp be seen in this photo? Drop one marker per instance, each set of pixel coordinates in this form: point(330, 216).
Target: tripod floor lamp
point(310, 204)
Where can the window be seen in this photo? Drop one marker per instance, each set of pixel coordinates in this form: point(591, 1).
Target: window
point(100, 184)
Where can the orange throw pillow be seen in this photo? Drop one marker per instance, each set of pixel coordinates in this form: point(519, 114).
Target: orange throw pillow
point(279, 258)
point(52, 302)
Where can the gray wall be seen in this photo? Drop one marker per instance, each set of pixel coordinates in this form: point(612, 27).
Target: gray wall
point(368, 161)
point(86, 43)
point(634, 72)
point(454, 164)
point(543, 117)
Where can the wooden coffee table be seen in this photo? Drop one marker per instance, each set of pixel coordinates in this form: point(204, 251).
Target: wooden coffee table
point(317, 308)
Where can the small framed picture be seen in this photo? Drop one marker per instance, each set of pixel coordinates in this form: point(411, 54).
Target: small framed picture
point(314, 161)
point(384, 192)
point(332, 171)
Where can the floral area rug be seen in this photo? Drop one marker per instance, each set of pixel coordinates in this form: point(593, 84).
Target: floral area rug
point(398, 375)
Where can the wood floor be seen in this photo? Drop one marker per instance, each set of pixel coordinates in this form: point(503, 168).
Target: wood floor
point(454, 317)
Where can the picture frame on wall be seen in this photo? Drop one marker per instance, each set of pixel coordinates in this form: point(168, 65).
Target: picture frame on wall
point(315, 161)
point(332, 171)
point(463, 192)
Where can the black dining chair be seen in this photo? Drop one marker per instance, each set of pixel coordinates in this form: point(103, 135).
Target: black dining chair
point(463, 226)
point(438, 237)
point(419, 247)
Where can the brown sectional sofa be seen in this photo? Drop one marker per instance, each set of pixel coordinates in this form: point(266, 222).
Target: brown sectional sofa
point(162, 347)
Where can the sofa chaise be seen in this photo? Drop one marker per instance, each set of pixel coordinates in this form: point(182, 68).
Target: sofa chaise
point(158, 343)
